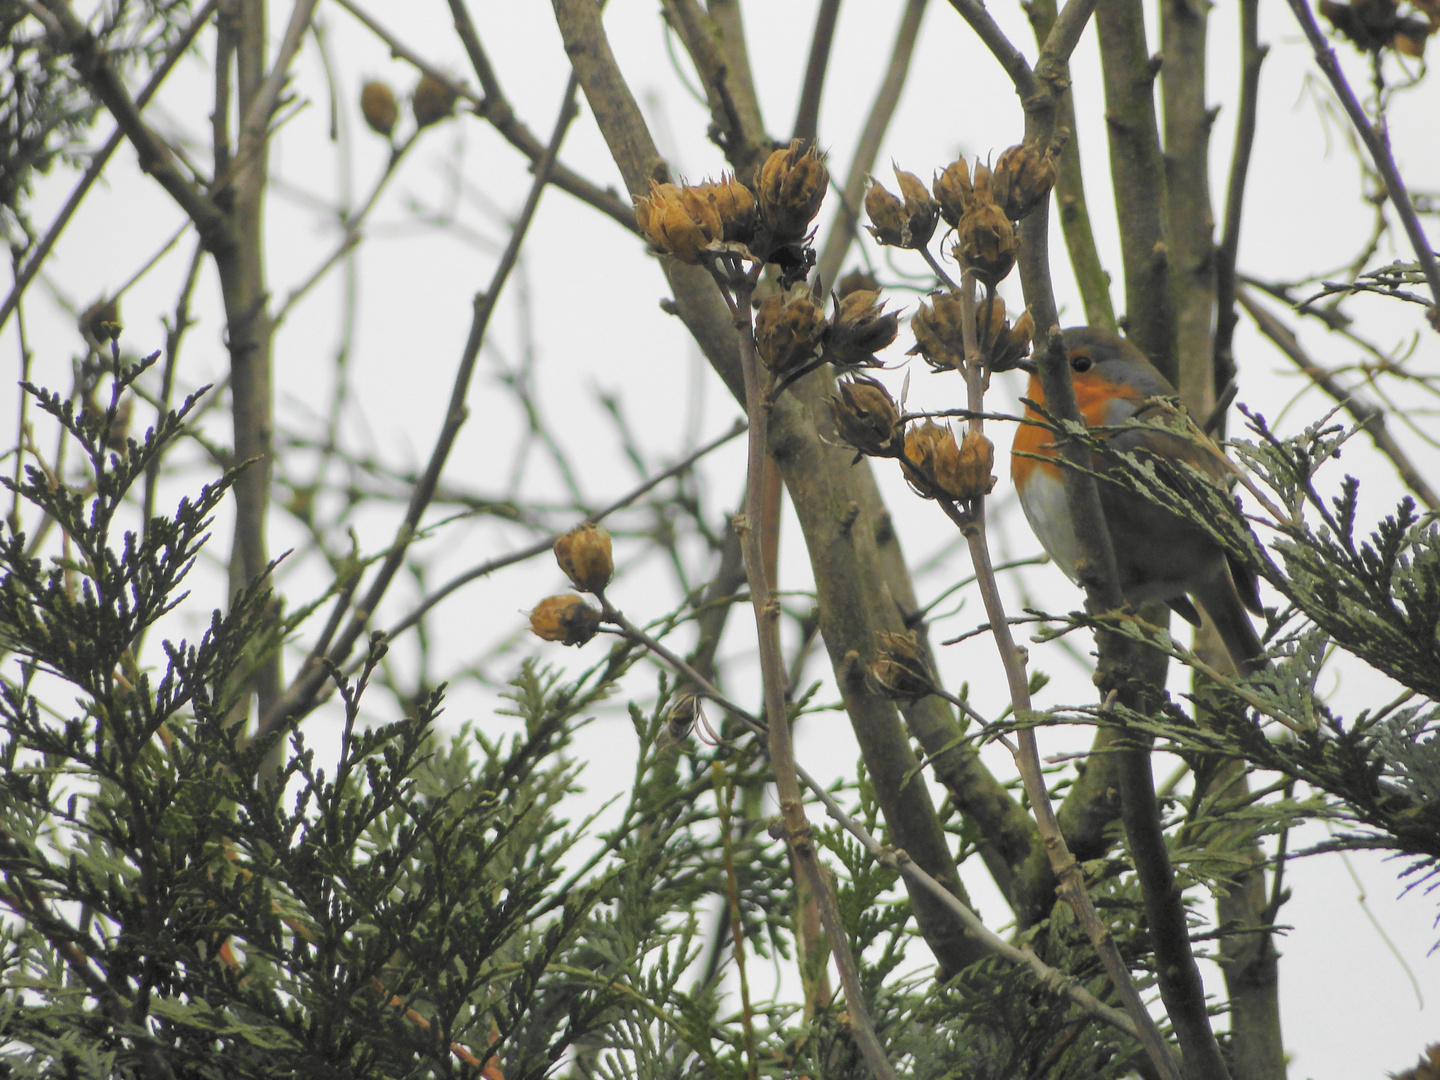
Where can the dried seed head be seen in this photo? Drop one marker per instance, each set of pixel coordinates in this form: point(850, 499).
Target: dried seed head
point(859, 329)
point(1012, 344)
point(566, 619)
point(866, 417)
point(936, 325)
point(906, 222)
point(100, 322)
point(953, 192)
point(789, 329)
point(584, 554)
point(899, 669)
point(939, 467)
point(432, 101)
point(735, 205)
point(377, 105)
point(789, 188)
point(987, 243)
point(855, 281)
point(989, 319)
point(679, 221)
point(1024, 175)
point(966, 474)
point(925, 445)
point(887, 215)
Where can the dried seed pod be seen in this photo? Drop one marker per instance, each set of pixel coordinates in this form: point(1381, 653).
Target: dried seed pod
point(925, 445)
point(789, 188)
point(377, 105)
point(888, 219)
point(584, 554)
point(1024, 175)
point(856, 281)
point(1013, 343)
point(859, 328)
point(735, 205)
point(966, 473)
point(989, 318)
point(953, 192)
point(906, 222)
point(679, 221)
point(566, 619)
point(867, 418)
point(937, 325)
point(789, 329)
point(432, 101)
point(987, 243)
point(899, 669)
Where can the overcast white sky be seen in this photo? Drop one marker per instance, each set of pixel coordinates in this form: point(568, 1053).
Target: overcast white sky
point(587, 305)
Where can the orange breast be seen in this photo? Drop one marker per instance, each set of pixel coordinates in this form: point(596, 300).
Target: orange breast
point(1031, 438)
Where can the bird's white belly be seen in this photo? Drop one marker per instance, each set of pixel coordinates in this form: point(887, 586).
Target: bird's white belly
point(1045, 508)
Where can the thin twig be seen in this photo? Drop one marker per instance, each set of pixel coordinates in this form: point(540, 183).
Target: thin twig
point(1071, 881)
point(887, 97)
point(772, 667)
point(496, 109)
point(1049, 977)
point(807, 115)
point(313, 675)
point(1367, 416)
point(1252, 56)
point(1377, 141)
point(100, 160)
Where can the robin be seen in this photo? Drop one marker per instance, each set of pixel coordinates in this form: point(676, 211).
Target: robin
point(1160, 556)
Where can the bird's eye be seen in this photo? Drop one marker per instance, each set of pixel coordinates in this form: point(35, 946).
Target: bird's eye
point(1079, 362)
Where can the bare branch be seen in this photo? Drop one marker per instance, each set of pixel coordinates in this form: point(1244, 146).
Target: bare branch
point(313, 675)
point(1377, 141)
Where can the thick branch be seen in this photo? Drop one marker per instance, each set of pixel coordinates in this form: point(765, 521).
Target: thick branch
point(1137, 169)
point(839, 508)
point(155, 158)
point(807, 115)
point(1190, 221)
point(1252, 55)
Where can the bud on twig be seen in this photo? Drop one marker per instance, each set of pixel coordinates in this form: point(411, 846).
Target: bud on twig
point(789, 328)
point(377, 105)
point(789, 188)
point(566, 619)
point(859, 328)
point(432, 101)
point(899, 670)
point(584, 554)
point(866, 417)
